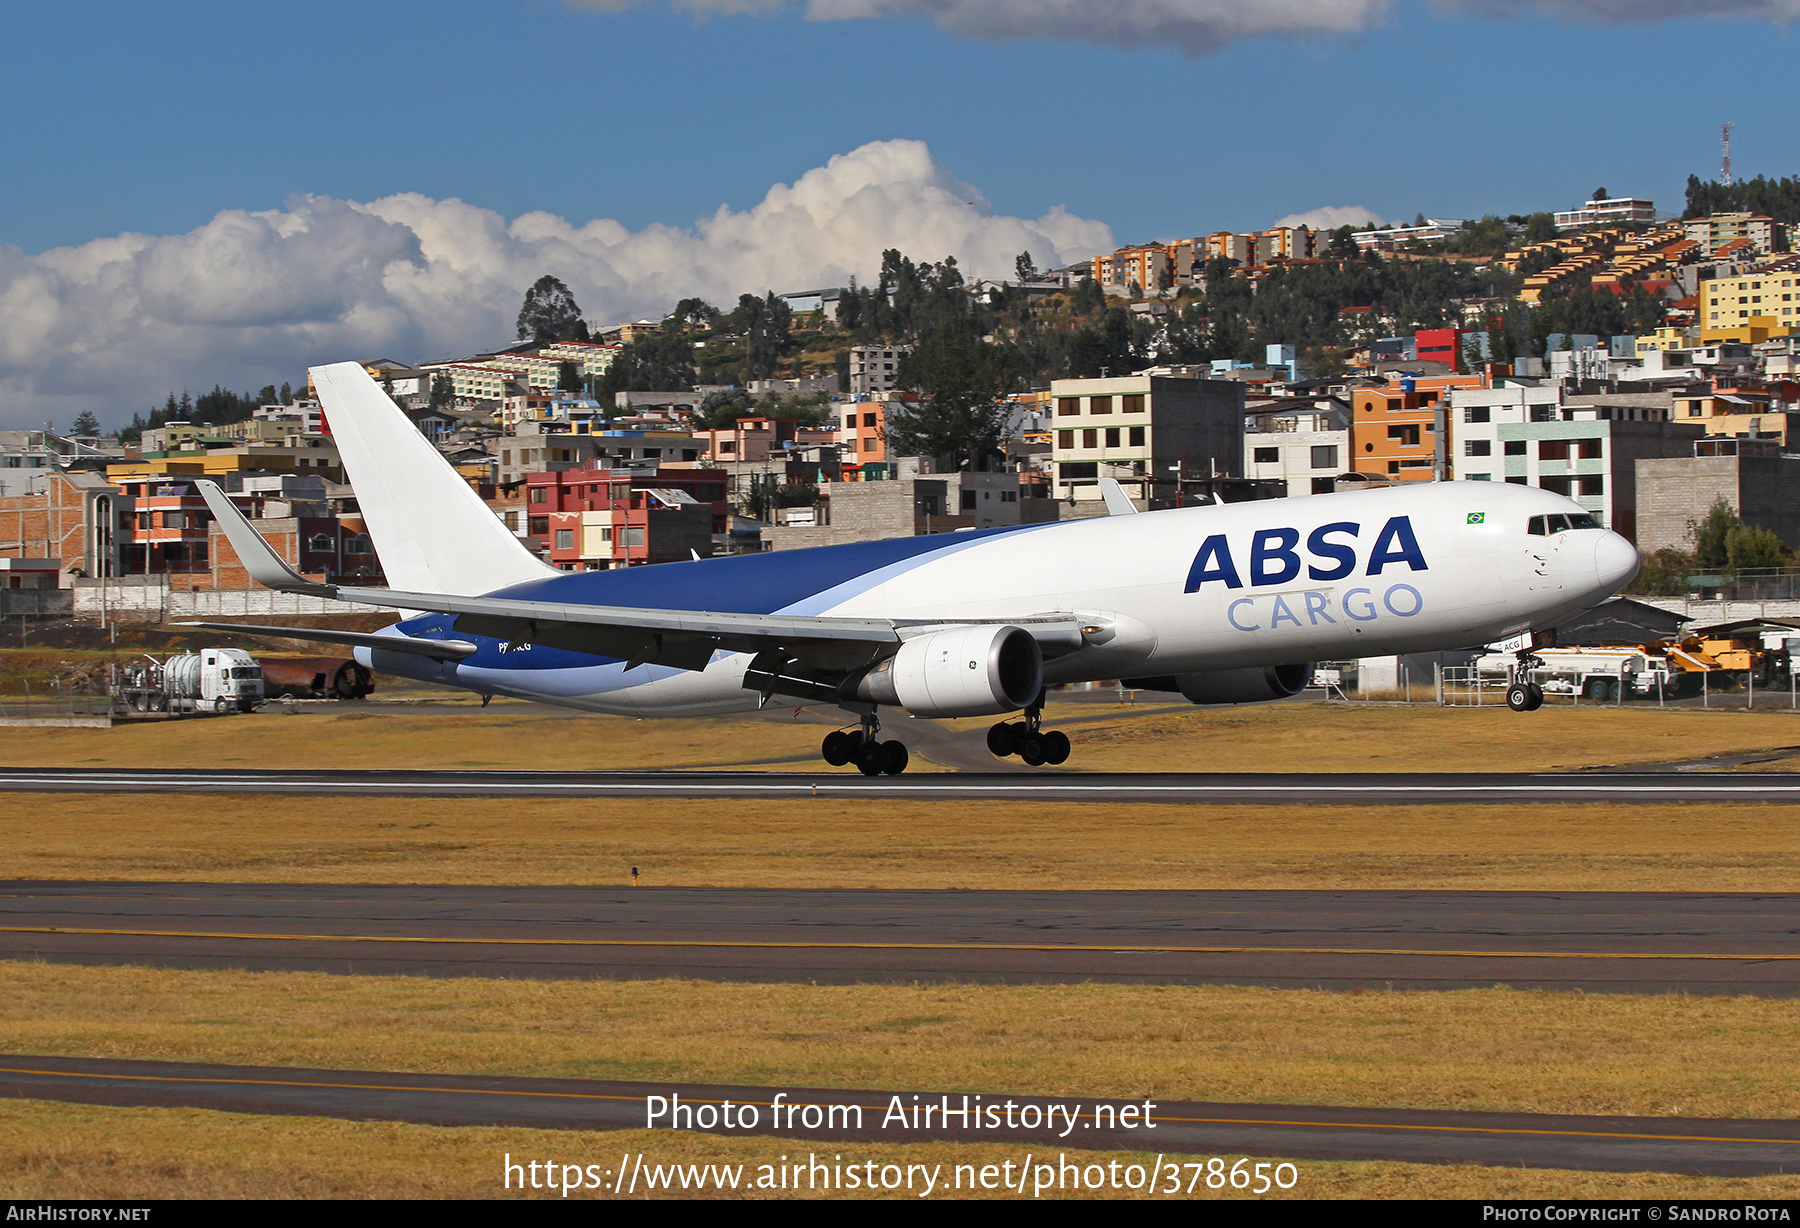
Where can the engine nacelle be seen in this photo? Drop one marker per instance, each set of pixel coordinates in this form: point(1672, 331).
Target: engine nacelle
point(978, 670)
point(1257, 684)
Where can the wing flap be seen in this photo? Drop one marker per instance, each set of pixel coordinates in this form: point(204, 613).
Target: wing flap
point(443, 650)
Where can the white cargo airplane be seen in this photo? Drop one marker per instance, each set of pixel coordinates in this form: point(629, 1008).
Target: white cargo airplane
point(1224, 603)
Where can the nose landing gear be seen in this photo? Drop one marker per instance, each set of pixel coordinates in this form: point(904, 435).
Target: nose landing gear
point(864, 748)
point(1522, 694)
point(1023, 738)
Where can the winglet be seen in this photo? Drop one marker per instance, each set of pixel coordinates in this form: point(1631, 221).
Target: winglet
point(1118, 503)
point(264, 565)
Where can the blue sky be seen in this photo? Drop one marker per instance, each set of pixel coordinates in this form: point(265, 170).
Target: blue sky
point(232, 135)
point(151, 118)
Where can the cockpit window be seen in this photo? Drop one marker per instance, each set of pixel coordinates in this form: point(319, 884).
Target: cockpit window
point(1542, 526)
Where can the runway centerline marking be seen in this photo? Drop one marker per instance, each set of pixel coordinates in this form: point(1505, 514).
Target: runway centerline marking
point(1109, 948)
point(1203, 1121)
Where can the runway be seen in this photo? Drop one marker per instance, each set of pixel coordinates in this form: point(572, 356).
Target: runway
point(1596, 942)
point(1338, 789)
point(1711, 1146)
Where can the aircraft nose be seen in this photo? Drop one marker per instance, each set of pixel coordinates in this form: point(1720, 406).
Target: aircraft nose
point(1615, 561)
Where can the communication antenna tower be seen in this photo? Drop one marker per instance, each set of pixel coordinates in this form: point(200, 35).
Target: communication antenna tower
point(1725, 144)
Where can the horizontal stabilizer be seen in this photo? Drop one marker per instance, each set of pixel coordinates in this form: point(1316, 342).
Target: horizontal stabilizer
point(259, 559)
point(443, 650)
point(1118, 503)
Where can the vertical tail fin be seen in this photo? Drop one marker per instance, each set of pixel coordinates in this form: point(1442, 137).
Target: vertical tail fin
point(431, 530)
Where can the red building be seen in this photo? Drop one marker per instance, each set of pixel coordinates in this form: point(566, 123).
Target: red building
point(593, 519)
point(1439, 345)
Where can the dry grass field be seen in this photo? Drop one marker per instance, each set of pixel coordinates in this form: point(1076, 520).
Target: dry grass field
point(1495, 1049)
point(915, 844)
point(1270, 738)
point(50, 1150)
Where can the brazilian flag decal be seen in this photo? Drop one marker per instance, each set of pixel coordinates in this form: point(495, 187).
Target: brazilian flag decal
point(1477, 517)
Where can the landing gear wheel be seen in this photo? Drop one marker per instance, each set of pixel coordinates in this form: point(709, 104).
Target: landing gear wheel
point(1518, 697)
point(871, 758)
point(1031, 748)
point(1002, 740)
point(1056, 747)
point(838, 748)
point(895, 756)
point(1537, 697)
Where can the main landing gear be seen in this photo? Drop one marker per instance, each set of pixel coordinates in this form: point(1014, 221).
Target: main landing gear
point(1024, 739)
point(865, 749)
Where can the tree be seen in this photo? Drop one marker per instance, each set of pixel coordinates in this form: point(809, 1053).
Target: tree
point(721, 408)
point(693, 313)
point(568, 377)
point(85, 424)
point(1712, 535)
point(962, 414)
point(1540, 228)
point(1024, 268)
point(1343, 242)
point(1599, 194)
point(549, 313)
point(1089, 298)
point(443, 391)
point(1748, 546)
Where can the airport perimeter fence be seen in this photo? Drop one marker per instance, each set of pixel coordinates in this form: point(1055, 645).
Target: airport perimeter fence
point(1464, 687)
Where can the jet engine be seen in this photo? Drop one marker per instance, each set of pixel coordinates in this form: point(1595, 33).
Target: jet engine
point(1232, 686)
point(977, 670)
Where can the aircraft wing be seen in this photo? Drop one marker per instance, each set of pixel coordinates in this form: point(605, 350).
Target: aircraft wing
point(685, 639)
point(443, 650)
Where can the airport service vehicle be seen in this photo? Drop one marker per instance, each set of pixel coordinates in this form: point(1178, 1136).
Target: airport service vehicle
point(316, 678)
point(1223, 603)
point(211, 680)
point(1593, 673)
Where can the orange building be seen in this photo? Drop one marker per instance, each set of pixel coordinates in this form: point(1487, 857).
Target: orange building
point(1394, 429)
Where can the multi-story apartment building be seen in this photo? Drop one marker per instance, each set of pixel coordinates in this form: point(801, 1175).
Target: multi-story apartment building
point(1763, 234)
point(74, 518)
point(1148, 268)
point(863, 440)
point(1400, 430)
point(1305, 444)
point(594, 519)
point(1147, 431)
point(593, 357)
point(1608, 211)
point(873, 368)
point(1751, 307)
point(1538, 436)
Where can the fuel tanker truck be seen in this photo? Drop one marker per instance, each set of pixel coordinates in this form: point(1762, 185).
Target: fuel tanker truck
point(210, 680)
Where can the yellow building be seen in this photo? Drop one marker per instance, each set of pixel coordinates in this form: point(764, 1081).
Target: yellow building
point(1666, 339)
point(320, 459)
point(1751, 307)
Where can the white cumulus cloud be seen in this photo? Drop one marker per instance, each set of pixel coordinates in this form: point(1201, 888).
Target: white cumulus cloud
point(1613, 11)
point(1330, 217)
point(1200, 27)
point(255, 297)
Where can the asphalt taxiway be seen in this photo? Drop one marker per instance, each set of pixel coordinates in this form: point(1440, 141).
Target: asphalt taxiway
point(1598, 942)
point(1712, 1146)
point(1214, 788)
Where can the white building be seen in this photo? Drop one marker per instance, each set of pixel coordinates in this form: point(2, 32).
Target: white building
point(1606, 211)
point(1305, 445)
point(873, 368)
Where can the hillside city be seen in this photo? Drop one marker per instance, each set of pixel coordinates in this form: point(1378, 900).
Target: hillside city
point(1640, 363)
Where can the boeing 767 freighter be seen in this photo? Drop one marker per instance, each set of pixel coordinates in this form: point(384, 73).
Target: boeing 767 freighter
point(1227, 603)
